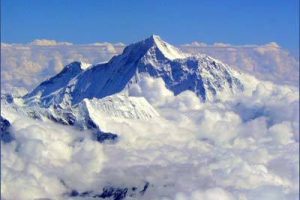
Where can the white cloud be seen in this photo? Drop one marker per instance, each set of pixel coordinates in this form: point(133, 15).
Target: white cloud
point(268, 62)
point(282, 133)
point(44, 154)
point(209, 194)
point(196, 44)
point(27, 65)
point(241, 148)
point(153, 90)
point(209, 144)
point(195, 151)
point(45, 42)
point(220, 44)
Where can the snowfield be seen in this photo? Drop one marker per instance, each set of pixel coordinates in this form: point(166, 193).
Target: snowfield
point(173, 126)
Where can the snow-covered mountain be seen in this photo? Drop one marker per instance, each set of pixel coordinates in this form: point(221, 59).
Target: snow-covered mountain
point(83, 95)
point(205, 76)
point(123, 125)
point(53, 85)
point(89, 113)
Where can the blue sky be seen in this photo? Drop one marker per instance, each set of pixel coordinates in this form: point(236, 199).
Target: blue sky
point(180, 21)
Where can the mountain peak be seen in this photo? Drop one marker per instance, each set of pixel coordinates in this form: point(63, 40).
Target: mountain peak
point(149, 57)
point(154, 39)
point(168, 50)
point(154, 45)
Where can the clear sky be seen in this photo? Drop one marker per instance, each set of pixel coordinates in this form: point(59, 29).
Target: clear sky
point(177, 21)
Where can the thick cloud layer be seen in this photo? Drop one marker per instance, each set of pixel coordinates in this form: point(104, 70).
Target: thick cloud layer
point(26, 65)
point(244, 148)
point(268, 62)
point(45, 159)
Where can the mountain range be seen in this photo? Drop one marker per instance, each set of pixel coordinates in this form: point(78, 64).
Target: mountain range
point(82, 94)
point(203, 75)
point(98, 100)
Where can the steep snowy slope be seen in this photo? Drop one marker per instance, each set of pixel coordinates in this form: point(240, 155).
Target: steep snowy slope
point(203, 75)
point(89, 113)
point(49, 88)
point(120, 106)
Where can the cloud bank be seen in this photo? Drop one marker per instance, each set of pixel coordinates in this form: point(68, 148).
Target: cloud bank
point(26, 65)
point(238, 149)
point(267, 62)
